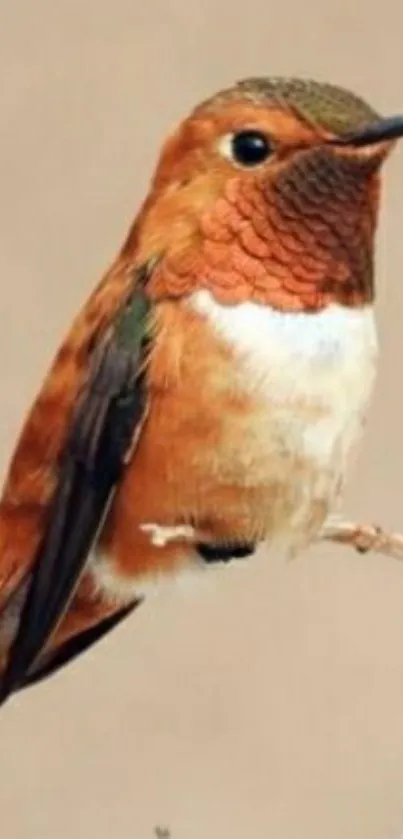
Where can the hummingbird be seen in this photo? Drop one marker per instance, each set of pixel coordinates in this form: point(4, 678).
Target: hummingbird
point(212, 392)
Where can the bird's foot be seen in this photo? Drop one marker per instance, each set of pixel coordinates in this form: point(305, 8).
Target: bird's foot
point(224, 553)
point(205, 545)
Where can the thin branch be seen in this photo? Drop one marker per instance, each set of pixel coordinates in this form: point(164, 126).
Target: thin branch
point(363, 537)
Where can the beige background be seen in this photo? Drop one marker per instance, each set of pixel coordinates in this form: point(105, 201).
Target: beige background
point(268, 702)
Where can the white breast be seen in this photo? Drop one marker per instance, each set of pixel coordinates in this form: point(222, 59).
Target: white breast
point(315, 370)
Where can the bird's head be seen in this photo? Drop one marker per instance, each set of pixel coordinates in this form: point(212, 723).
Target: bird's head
point(269, 192)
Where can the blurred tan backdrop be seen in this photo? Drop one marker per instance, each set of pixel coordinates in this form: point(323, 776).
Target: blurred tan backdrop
point(268, 702)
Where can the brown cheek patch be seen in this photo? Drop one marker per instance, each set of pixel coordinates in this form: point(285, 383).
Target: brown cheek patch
point(298, 244)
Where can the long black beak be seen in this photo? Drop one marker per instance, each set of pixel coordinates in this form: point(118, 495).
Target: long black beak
point(389, 128)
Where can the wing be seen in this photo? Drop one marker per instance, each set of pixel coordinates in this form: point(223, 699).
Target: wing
point(75, 646)
point(103, 426)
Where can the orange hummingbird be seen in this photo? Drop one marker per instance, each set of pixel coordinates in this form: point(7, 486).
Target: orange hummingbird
point(211, 392)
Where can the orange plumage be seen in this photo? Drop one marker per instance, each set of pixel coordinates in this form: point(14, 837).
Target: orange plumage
point(250, 268)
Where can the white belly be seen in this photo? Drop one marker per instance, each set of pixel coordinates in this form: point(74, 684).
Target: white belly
point(315, 373)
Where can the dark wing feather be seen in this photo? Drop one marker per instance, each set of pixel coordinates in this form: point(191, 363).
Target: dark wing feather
point(105, 422)
point(77, 645)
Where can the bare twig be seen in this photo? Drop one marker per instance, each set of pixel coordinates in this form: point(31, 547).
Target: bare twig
point(362, 537)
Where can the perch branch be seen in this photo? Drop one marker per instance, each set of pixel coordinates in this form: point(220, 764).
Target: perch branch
point(363, 537)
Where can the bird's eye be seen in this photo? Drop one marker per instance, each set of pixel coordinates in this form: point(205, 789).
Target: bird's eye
point(247, 148)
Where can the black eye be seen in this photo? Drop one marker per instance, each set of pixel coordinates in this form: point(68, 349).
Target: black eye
point(250, 148)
